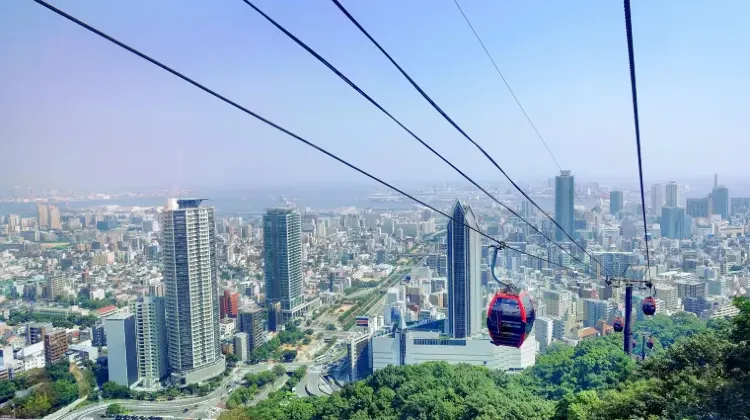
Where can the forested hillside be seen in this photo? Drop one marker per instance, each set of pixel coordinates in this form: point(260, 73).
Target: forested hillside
point(696, 370)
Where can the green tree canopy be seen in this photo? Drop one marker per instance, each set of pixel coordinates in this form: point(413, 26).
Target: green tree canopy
point(115, 409)
point(697, 370)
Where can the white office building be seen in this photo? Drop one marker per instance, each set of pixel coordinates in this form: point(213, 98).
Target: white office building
point(544, 332)
point(121, 349)
point(150, 325)
point(415, 347)
point(32, 356)
point(241, 345)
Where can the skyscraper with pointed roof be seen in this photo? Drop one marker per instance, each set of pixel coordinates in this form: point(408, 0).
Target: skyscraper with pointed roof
point(465, 303)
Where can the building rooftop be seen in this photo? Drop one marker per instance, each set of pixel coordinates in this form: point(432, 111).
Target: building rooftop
point(105, 310)
point(188, 203)
point(119, 315)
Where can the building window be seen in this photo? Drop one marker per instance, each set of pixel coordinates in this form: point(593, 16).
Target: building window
point(439, 342)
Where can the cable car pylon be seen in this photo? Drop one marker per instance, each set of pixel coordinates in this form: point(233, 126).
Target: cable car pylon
point(647, 307)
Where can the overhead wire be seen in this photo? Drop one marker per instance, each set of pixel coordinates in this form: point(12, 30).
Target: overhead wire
point(634, 93)
point(515, 98)
point(279, 127)
point(512, 93)
point(510, 90)
point(400, 124)
point(456, 126)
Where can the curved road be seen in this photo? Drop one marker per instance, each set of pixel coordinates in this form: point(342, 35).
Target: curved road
point(175, 408)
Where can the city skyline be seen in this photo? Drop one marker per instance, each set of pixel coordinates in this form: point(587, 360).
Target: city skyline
point(697, 185)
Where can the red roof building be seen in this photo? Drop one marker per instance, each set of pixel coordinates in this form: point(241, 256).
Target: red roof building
point(106, 311)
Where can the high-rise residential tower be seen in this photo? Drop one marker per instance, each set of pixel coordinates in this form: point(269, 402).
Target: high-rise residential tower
point(282, 246)
point(465, 303)
point(55, 222)
point(615, 202)
point(564, 205)
point(151, 339)
point(42, 216)
point(657, 199)
point(672, 195)
point(191, 291)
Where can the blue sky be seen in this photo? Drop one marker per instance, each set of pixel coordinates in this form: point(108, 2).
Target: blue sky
point(75, 111)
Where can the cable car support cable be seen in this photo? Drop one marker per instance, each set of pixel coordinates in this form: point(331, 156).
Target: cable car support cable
point(648, 304)
point(515, 98)
point(411, 133)
point(513, 94)
point(456, 126)
point(278, 127)
point(634, 90)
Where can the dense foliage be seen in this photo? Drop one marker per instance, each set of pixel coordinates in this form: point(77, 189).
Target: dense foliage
point(52, 388)
point(696, 370)
point(115, 409)
point(359, 285)
point(94, 304)
point(253, 383)
point(272, 350)
point(296, 376)
point(69, 321)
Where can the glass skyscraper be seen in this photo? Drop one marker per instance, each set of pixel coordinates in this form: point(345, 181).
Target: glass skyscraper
point(699, 207)
point(282, 254)
point(564, 205)
point(720, 198)
point(465, 303)
point(191, 291)
point(674, 223)
point(615, 202)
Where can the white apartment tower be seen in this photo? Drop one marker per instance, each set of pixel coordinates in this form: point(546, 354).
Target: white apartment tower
point(657, 199)
point(672, 195)
point(151, 340)
point(191, 287)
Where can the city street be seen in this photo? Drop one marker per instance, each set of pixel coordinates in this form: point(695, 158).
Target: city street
point(197, 407)
point(378, 307)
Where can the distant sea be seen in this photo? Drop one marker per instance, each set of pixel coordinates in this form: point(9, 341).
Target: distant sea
point(240, 201)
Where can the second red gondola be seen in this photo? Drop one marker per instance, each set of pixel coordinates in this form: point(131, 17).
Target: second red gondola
point(649, 305)
point(618, 325)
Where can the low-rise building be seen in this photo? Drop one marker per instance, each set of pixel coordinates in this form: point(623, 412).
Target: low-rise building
point(32, 356)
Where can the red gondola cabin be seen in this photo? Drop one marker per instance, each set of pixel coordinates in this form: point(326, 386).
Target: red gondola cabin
point(618, 325)
point(649, 306)
point(510, 318)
